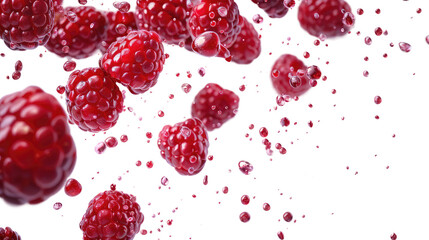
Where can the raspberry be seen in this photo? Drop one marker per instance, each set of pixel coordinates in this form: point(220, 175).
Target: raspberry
point(119, 25)
point(111, 215)
point(219, 16)
point(8, 234)
point(247, 47)
point(37, 152)
point(168, 18)
point(93, 100)
point(274, 8)
point(78, 35)
point(135, 61)
point(214, 105)
point(26, 24)
point(283, 70)
point(185, 146)
point(323, 17)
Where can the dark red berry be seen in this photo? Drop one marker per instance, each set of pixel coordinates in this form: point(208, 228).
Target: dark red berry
point(185, 146)
point(93, 100)
point(214, 105)
point(77, 32)
point(247, 47)
point(111, 215)
point(274, 8)
point(135, 61)
point(37, 152)
point(26, 24)
point(119, 24)
point(8, 234)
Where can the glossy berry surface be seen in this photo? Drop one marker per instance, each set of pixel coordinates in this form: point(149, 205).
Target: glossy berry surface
point(323, 17)
point(78, 36)
point(274, 8)
point(214, 105)
point(37, 152)
point(8, 234)
point(135, 61)
point(247, 47)
point(185, 146)
point(168, 18)
point(26, 24)
point(219, 16)
point(93, 100)
point(283, 70)
point(119, 24)
point(111, 215)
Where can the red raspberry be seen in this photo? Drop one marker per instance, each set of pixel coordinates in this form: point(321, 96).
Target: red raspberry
point(111, 215)
point(93, 100)
point(168, 18)
point(37, 152)
point(274, 8)
point(135, 61)
point(214, 105)
point(119, 25)
point(219, 16)
point(323, 17)
point(284, 68)
point(247, 47)
point(185, 146)
point(26, 24)
point(8, 234)
point(80, 37)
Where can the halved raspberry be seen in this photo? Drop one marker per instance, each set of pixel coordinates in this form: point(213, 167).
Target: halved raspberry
point(8, 234)
point(111, 215)
point(323, 17)
point(185, 146)
point(214, 105)
point(282, 72)
point(37, 152)
point(168, 18)
point(247, 47)
point(119, 24)
point(274, 8)
point(93, 100)
point(135, 61)
point(77, 32)
point(219, 16)
point(26, 24)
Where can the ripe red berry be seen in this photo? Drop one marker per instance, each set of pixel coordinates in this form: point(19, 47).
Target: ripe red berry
point(77, 32)
point(26, 24)
point(8, 234)
point(324, 17)
point(135, 61)
point(168, 18)
point(247, 47)
point(37, 152)
point(214, 105)
point(274, 8)
point(93, 100)
point(185, 146)
point(285, 77)
point(111, 215)
point(219, 16)
point(119, 24)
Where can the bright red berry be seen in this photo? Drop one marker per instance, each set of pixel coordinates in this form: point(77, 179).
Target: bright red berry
point(93, 100)
point(247, 47)
point(135, 61)
point(274, 8)
point(37, 152)
point(324, 17)
point(77, 32)
point(185, 146)
point(119, 24)
point(168, 18)
point(219, 16)
point(111, 215)
point(8, 234)
point(26, 24)
point(286, 78)
point(214, 105)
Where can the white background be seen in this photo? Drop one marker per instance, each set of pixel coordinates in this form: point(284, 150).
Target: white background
point(367, 201)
